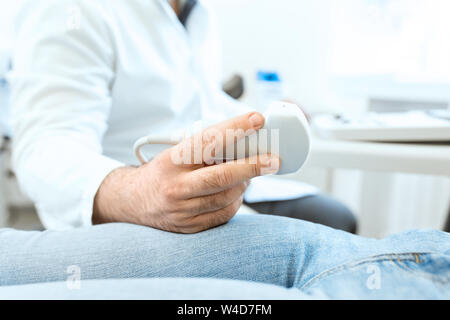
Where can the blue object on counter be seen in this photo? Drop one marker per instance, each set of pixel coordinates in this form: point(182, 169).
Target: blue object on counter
point(268, 76)
point(269, 88)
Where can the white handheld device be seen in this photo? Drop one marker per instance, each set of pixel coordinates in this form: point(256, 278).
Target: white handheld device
point(285, 133)
point(294, 135)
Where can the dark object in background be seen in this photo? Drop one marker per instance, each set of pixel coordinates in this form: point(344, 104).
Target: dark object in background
point(5, 141)
point(447, 224)
point(318, 208)
point(186, 11)
point(234, 87)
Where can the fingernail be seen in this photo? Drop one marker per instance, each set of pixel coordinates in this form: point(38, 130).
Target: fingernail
point(256, 120)
point(269, 165)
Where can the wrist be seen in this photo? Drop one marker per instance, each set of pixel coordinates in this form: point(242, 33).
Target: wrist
point(112, 202)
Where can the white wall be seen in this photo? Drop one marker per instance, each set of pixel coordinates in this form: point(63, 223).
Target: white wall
point(8, 10)
point(289, 36)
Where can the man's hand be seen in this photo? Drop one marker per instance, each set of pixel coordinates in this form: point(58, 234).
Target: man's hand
point(184, 197)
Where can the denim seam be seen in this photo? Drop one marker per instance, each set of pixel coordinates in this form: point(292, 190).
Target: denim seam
point(379, 258)
point(401, 264)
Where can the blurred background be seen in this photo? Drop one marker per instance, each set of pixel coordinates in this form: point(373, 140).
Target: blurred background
point(333, 56)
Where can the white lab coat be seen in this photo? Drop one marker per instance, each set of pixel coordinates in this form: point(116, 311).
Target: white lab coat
point(85, 87)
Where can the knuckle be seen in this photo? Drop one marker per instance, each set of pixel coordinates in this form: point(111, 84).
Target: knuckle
point(254, 170)
point(212, 202)
point(224, 177)
point(174, 229)
point(169, 191)
point(237, 205)
point(166, 224)
point(209, 137)
point(179, 219)
point(228, 194)
point(210, 180)
point(219, 178)
point(180, 224)
point(214, 220)
point(242, 187)
point(233, 194)
point(208, 221)
point(225, 217)
point(231, 209)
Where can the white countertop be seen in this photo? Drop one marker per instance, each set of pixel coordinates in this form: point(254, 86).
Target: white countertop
point(432, 159)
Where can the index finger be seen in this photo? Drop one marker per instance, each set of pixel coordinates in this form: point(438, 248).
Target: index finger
point(217, 178)
point(204, 146)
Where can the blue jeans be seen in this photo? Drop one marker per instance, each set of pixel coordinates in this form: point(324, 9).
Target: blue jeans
point(279, 253)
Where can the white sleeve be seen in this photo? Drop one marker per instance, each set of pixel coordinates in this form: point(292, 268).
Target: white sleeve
point(63, 68)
